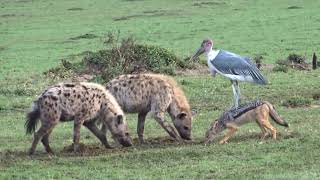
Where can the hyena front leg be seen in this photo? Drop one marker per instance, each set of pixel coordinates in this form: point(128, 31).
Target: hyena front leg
point(99, 134)
point(140, 126)
point(104, 129)
point(159, 116)
point(76, 134)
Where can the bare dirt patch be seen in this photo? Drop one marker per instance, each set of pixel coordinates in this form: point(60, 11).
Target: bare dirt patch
point(85, 36)
point(198, 69)
point(294, 61)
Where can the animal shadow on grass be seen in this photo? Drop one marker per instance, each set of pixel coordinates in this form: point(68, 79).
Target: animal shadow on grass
point(256, 136)
point(11, 156)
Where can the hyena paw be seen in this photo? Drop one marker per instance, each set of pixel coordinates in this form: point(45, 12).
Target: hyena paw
point(108, 146)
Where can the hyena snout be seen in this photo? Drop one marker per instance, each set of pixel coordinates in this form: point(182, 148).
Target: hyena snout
point(183, 125)
point(125, 140)
point(184, 132)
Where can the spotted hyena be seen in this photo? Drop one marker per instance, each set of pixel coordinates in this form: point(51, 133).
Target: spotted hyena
point(84, 103)
point(142, 93)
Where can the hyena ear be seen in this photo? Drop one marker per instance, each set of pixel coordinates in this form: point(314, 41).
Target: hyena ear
point(119, 119)
point(181, 115)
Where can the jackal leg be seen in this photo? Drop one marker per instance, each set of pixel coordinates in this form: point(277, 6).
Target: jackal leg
point(140, 126)
point(43, 130)
point(263, 119)
point(264, 132)
point(166, 126)
point(45, 141)
point(99, 134)
point(232, 129)
point(268, 125)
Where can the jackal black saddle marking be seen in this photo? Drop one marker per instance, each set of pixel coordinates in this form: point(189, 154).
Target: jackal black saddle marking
point(233, 113)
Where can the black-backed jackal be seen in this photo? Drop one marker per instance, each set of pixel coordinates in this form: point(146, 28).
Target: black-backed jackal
point(255, 111)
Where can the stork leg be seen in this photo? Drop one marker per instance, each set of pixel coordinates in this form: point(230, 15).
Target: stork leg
point(235, 87)
point(238, 92)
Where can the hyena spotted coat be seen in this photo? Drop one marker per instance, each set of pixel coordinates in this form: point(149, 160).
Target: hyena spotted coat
point(155, 93)
point(84, 103)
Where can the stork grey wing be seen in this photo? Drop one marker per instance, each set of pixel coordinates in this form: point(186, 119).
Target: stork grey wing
point(237, 67)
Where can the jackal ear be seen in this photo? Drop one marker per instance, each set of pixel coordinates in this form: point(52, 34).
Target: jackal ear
point(194, 112)
point(119, 119)
point(181, 115)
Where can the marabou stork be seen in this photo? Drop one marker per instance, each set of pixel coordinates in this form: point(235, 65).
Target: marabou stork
point(232, 66)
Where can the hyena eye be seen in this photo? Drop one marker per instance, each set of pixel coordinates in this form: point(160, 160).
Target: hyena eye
point(185, 128)
point(127, 134)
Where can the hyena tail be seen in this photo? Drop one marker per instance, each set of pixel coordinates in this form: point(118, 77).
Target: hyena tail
point(275, 116)
point(32, 118)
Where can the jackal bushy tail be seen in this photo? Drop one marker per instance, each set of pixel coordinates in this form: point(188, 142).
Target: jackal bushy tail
point(32, 119)
point(275, 116)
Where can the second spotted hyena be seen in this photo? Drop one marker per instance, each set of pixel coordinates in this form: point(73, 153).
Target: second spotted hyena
point(82, 102)
point(142, 93)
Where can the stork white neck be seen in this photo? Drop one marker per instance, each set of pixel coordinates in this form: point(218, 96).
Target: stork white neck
point(212, 54)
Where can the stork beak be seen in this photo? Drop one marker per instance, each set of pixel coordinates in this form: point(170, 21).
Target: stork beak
point(198, 53)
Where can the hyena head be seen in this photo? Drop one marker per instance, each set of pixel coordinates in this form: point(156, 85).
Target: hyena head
point(213, 131)
point(118, 127)
point(183, 124)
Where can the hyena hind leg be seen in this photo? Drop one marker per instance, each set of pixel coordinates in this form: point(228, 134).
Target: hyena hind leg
point(232, 129)
point(43, 130)
point(45, 141)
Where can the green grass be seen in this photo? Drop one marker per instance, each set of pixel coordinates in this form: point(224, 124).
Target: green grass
point(35, 35)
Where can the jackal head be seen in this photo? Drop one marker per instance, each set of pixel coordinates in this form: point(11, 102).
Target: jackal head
point(183, 124)
point(213, 131)
point(118, 127)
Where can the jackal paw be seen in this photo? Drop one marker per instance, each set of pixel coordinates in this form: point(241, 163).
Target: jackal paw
point(223, 142)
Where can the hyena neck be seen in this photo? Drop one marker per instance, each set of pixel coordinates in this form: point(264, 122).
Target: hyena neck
point(175, 108)
point(110, 106)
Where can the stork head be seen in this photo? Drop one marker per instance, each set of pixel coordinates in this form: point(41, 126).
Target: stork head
point(206, 46)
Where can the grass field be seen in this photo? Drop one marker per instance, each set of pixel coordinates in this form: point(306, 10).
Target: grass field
point(36, 34)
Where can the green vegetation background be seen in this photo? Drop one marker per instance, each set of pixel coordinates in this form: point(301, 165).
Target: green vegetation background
point(36, 34)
